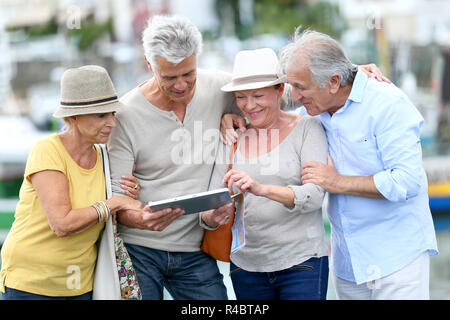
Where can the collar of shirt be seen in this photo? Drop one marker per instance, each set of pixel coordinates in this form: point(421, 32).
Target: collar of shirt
point(358, 87)
point(357, 92)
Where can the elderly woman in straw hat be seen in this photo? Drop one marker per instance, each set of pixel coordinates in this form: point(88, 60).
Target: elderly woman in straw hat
point(284, 255)
point(50, 251)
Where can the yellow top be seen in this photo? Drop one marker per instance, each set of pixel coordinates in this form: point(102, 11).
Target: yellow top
point(34, 259)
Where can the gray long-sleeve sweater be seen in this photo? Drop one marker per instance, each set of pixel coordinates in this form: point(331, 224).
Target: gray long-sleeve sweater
point(278, 237)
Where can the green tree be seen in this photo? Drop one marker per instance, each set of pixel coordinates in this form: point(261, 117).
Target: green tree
point(90, 32)
point(283, 16)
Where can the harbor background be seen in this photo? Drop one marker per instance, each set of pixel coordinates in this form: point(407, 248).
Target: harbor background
point(408, 39)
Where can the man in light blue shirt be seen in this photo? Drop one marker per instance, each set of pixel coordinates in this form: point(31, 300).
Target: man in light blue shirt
point(382, 229)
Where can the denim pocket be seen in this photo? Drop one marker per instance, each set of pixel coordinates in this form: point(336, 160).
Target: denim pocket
point(304, 266)
point(234, 269)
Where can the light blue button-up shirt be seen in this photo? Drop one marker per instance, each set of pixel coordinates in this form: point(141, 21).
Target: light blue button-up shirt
point(377, 133)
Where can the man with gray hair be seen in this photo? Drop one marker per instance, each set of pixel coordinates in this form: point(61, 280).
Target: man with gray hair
point(382, 229)
point(170, 131)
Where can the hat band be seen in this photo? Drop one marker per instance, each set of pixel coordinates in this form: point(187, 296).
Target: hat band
point(89, 103)
point(257, 78)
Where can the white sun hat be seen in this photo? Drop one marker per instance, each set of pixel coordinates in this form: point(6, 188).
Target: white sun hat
point(255, 69)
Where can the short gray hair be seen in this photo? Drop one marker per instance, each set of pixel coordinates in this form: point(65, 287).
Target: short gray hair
point(173, 38)
point(325, 56)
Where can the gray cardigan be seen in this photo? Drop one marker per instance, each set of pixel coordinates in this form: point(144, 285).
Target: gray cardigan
point(278, 237)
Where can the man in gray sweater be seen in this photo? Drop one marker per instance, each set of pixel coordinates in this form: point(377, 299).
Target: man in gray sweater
point(169, 129)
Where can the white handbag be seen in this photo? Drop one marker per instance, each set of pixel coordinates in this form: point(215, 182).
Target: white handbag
point(109, 283)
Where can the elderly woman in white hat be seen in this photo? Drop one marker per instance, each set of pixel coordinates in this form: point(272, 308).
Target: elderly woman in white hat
point(284, 255)
point(50, 251)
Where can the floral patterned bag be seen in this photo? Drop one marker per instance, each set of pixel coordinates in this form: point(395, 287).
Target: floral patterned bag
point(129, 286)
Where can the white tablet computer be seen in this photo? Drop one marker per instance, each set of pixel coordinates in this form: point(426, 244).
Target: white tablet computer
point(196, 202)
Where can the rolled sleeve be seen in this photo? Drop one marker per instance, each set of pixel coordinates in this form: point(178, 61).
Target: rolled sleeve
point(203, 224)
point(386, 185)
point(307, 198)
point(401, 154)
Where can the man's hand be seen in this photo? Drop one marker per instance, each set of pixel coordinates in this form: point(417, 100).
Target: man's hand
point(219, 216)
point(228, 124)
point(146, 219)
point(323, 175)
point(327, 177)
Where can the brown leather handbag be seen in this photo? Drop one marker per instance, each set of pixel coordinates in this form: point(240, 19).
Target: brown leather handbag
point(217, 243)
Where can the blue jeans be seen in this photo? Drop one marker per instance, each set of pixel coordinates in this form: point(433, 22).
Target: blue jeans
point(13, 294)
point(305, 281)
point(186, 275)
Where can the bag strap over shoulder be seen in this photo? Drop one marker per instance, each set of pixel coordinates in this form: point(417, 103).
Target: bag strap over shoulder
point(106, 279)
point(232, 151)
point(106, 170)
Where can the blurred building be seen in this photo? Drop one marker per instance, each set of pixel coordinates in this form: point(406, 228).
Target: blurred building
point(39, 39)
point(408, 39)
point(419, 22)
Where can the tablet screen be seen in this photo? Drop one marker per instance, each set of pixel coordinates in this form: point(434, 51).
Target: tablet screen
point(194, 203)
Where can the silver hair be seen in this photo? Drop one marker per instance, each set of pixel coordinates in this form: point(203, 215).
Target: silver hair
point(173, 38)
point(324, 54)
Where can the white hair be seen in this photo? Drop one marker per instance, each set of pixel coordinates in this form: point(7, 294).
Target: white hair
point(324, 55)
point(173, 38)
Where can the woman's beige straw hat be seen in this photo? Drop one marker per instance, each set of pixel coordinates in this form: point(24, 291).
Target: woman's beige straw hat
point(86, 90)
point(255, 69)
